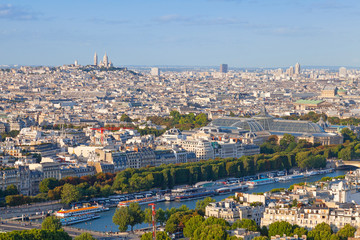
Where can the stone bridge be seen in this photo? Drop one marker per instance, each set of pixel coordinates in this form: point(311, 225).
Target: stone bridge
point(351, 163)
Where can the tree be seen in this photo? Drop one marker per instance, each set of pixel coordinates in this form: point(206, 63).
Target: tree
point(106, 191)
point(264, 231)
point(148, 216)
point(37, 157)
point(159, 236)
point(35, 234)
point(48, 184)
point(260, 238)
point(280, 228)
point(214, 232)
point(323, 227)
point(15, 200)
point(51, 223)
point(201, 204)
point(137, 215)
point(160, 216)
point(12, 190)
point(85, 236)
point(248, 224)
point(70, 194)
point(300, 231)
point(348, 135)
point(192, 224)
point(346, 232)
point(201, 119)
point(122, 218)
point(294, 203)
point(128, 216)
point(55, 193)
point(216, 221)
point(125, 118)
point(346, 153)
point(320, 232)
point(335, 237)
point(286, 141)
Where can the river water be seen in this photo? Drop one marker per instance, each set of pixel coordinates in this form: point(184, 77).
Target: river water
point(105, 224)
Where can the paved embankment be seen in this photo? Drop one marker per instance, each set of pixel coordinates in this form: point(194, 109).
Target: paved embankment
point(30, 209)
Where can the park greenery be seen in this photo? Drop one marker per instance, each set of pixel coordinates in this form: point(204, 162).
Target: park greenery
point(159, 236)
point(85, 236)
point(51, 223)
point(320, 232)
point(315, 117)
point(50, 229)
point(181, 121)
point(12, 134)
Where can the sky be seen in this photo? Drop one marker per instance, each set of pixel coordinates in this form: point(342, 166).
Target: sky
point(241, 33)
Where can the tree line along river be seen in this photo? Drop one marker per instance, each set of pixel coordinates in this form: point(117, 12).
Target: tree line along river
point(105, 224)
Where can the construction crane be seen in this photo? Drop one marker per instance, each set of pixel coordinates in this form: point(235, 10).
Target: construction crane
point(153, 220)
point(102, 129)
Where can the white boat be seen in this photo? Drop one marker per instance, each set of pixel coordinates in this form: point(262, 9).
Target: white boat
point(77, 219)
point(80, 211)
point(169, 198)
point(284, 178)
point(291, 177)
point(311, 173)
point(231, 188)
point(142, 201)
point(259, 182)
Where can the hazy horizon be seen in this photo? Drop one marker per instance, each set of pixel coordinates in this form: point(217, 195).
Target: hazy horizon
point(241, 33)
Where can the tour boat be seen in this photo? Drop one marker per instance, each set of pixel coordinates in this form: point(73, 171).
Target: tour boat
point(77, 219)
point(259, 182)
point(231, 188)
point(80, 211)
point(194, 195)
point(141, 201)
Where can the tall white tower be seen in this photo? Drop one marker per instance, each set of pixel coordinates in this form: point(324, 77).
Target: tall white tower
point(342, 72)
point(95, 59)
point(297, 68)
point(155, 71)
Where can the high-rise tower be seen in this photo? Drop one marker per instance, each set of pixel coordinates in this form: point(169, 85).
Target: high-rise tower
point(342, 72)
point(223, 68)
point(155, 71)
point(95, 59)
point(297, 68)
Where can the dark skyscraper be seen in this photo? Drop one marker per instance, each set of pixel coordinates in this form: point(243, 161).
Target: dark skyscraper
point(223, 68)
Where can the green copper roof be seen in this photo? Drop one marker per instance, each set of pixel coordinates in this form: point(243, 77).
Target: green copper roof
point(309, 101)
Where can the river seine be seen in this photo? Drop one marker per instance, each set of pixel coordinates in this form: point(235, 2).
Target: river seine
point(105, 224)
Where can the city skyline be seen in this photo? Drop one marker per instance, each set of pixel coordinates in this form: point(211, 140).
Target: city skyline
point(187, 33)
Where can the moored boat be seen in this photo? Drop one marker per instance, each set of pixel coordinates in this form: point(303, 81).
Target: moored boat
point(77, 219)
point(195, 195)
point(231, 188)
point(141, 201)
point(259, 182)
point(80, 211)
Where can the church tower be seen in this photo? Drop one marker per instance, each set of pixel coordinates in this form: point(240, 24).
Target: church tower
point(95, 59)
point(105, 61)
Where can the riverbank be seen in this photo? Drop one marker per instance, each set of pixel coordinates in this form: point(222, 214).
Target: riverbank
point(104, 223)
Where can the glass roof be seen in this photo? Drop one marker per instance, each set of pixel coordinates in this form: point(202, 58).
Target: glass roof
point(241, 123)
point(269, 124)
